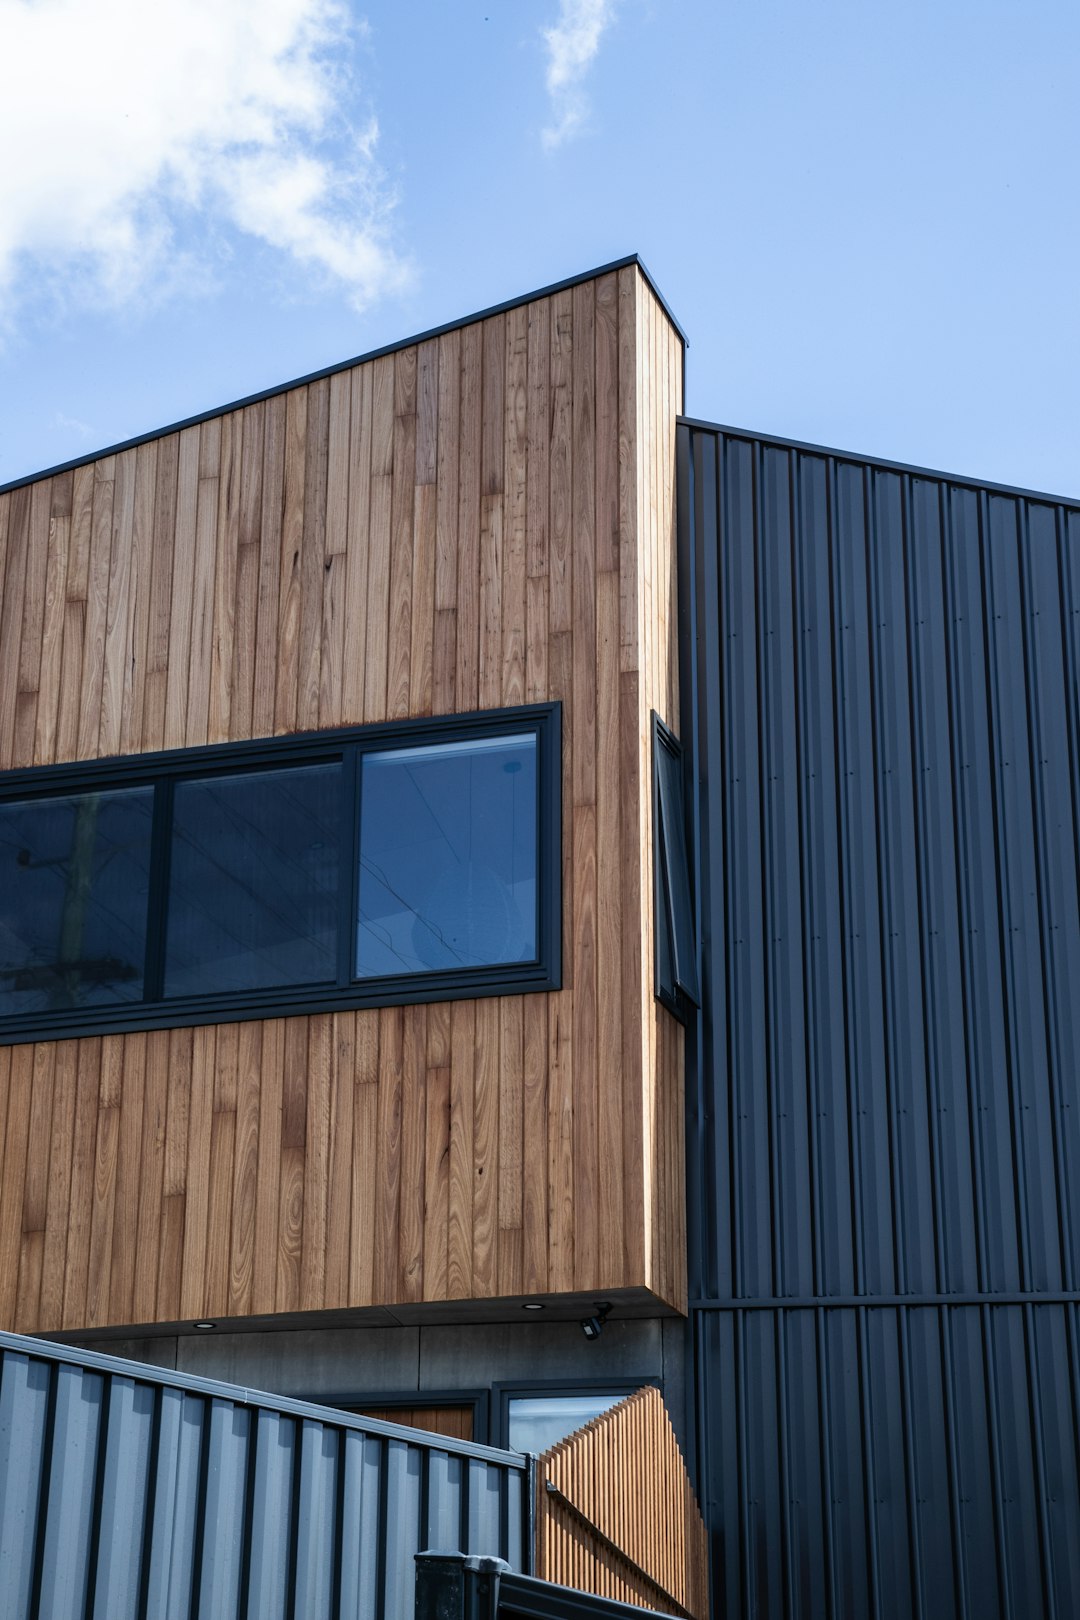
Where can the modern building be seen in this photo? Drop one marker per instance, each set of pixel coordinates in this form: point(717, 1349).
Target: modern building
point(509, 894)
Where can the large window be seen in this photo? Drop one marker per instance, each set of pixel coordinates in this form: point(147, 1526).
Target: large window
point(394, 863)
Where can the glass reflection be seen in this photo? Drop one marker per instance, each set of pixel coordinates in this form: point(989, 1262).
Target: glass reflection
point(448, 857)
point(74, 880)
point(253, 881)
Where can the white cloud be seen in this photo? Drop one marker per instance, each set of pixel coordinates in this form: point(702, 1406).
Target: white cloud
point(572, 43)
point(132, 131)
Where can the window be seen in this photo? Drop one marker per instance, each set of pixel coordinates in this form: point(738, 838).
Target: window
point(535, 1416)
point(405, 862)
point(676, 946)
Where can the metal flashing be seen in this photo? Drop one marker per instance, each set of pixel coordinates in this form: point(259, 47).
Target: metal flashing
point(356, 360)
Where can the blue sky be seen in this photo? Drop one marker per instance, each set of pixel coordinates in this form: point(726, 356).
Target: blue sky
point(864, 216)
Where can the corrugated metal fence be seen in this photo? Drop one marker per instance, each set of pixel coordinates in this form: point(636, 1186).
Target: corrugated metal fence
point(884, 700)
point(616, 1514)
point(125, 1491)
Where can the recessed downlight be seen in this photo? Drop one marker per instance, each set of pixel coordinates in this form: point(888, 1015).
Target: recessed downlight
point(534, 1305)
point(204, 1327)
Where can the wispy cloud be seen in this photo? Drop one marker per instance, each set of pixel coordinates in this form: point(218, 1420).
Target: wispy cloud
point(135, 137)
point(572, 43)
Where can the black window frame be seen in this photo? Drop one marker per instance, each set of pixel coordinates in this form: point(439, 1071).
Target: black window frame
point(675, 943)
point(347, 744)
point(505, 1391)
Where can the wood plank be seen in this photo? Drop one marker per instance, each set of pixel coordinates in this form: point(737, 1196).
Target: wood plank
point(18, 507)
point(410, 1280)
point(534, 1170)
point(388, 1151)
point(289, 576)
point(29, 657)
point(339, 1189)
point(561, 464)
point(290, 1235)
point(365, 1127)
point(539, 447)
point(218, 1264)
point(313, 557)
point(490, 663)
point(316, 1163)
point(161, 578)
point(636, 975)
point(462, 1133)
point(126, 1233)
point(437, 1152)
point(354, 652)
point(629, 472)
point(493, 410)
point(17, 1139)
point(271, 551)
point(427, 411)
point(468, 572)
point(271, 1078)
point(119, 612)
point(84, 1143)
point(586, 1138)
point(421, 652)
point(399, 642)
point(515, 508)
point(607, 423)
point(142, 549)
point(381, 528)
point(511, 1144)
point(203, 568)
point(448, 471)
point(65, 1083)
point(197, 1194)
point(339, 437)
point(610, 791)
point(226, 568)
point(52, 638)
point(178, 654)
point(152, 1171)
point(246, 604)
point(110, 1097)
point(486, 1151)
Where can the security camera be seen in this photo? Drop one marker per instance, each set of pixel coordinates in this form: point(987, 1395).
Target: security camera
point(593, 1326)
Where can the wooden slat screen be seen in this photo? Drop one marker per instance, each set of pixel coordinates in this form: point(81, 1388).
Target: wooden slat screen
point(616, 1513)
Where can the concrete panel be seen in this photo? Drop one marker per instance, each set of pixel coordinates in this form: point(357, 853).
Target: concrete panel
point(313, 1363)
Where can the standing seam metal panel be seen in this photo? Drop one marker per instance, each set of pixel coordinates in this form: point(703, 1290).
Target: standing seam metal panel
point(883, 680)
point(125, 1492)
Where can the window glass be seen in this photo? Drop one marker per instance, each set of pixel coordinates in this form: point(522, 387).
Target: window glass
point(538, 1422)
point(73, 896)
point(448, 857)
point(676, 963)
point(253, 880)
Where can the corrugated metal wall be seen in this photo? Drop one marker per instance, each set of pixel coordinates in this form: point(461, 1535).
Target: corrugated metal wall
point(884, 695)
point(129, 1492)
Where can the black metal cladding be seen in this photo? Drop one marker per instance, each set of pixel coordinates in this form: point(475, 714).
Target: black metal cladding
point(883, 680)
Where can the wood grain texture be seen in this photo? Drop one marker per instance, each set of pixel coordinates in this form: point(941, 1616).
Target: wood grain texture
point(599, 1529)
point(481, 520)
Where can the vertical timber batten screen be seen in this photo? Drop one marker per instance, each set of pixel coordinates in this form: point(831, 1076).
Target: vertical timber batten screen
point(883, 692)
point(125, 1491)
point(616, 1513)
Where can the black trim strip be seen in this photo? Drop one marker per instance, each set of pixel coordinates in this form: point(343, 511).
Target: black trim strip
point(356, 360)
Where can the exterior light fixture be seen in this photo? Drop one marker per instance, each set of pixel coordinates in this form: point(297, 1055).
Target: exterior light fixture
point(534, 1305)
point(204, 1327)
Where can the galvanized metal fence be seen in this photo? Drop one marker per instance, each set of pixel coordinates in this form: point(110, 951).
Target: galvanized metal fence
point(127, 1491)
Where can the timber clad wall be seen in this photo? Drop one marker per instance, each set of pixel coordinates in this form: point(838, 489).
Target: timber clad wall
point(483, 519)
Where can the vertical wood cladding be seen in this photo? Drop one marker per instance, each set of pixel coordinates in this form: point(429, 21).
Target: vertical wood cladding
point(482, 519)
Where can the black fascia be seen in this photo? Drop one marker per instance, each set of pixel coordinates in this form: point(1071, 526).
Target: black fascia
point(165, 767)
point(361, 359)
point(852, 457)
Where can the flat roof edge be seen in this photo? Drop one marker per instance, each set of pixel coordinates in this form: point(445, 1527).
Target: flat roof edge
point(936, 473)
point(347, 365)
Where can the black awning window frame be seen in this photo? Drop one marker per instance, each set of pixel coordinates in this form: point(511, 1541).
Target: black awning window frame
point(348, 745)
point(677, 983)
